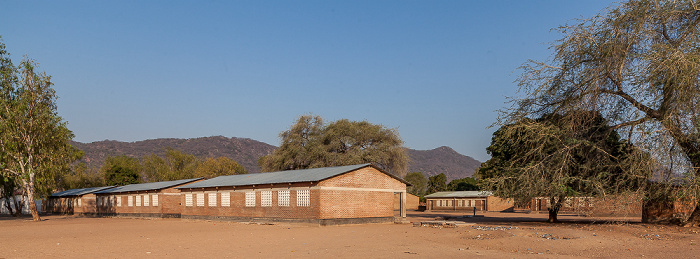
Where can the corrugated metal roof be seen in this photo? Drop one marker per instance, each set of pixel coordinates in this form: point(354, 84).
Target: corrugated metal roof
point(460, 194)
point(79, 192)
point(291, 176)
point(148, 186)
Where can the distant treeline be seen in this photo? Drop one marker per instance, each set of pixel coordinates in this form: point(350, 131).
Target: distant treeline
point(123, 170)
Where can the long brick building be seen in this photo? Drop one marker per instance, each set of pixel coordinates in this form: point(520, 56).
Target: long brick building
point(332, 195)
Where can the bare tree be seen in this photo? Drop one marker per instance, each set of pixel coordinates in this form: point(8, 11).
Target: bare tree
point(638, 64)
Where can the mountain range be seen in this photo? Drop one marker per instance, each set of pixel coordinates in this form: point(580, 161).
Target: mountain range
point(247, 152)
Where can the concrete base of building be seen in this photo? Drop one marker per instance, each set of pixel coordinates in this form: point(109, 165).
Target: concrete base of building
point(141, 215)
point(78, 214)
point(400, 220)
point(330, 222)
point(320, 222)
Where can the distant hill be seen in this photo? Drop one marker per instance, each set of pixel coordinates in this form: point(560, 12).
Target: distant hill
point(244, 151)
point(442, 160)
point(247, 152)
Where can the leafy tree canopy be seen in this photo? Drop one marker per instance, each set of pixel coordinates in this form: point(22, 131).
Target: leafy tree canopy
point(179, 165)
point(437, 183)
point(131, 163)
point(464, 184)
point(213, 167)
point(119, 175)
point(81, 176)
point(175, 166)
point(419, 183)
point(559, 156)
point(310, 143)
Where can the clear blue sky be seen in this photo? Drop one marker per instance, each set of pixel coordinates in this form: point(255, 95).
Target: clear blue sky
point(438, 71)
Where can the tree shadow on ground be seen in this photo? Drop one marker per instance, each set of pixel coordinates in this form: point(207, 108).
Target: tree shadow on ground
point(506, 218)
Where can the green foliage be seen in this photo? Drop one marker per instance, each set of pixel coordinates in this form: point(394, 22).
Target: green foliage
point(576, 154)
point(34, 140)
point(419, 183)
point(176, 165)
point(309, 143)
point(464, 184)
point(8, 187)
point(179, 165)
point(129, 163)
point(154, 168)
point(81, 176)
point(118, 175)
point(213, 167)
point(7, 191)
point(437, 183)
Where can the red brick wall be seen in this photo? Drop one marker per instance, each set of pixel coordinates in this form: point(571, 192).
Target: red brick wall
point(363, 193)
point(356, 204)
point(237, 208)
point(70, 205)
point(61, 205)
point(367, 177)
point(88, 204)
point(494, 203)
point(615, 205)
point(168, 202)
point(412, 201)
point(667, 211)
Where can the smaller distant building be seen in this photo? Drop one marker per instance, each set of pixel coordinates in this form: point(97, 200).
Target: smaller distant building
point(74, 201)
point(467, 201)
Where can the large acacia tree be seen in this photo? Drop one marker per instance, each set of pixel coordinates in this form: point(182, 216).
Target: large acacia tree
point(639, 65)
point(559, 156)
point(34, 140)
point(310, 143)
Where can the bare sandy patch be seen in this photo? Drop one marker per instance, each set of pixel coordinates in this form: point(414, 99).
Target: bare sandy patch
point(510, 235)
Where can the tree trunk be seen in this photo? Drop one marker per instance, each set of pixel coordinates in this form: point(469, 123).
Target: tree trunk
point(691, 148)
point(10, 205)
point(19, 206)
point(29, 190)
point(554, 206)
point(694, 219)
point(553, 216)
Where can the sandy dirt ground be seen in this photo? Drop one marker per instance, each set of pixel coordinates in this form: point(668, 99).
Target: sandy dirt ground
point(495, 235)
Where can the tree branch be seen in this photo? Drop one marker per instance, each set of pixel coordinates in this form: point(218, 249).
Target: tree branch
point(691, 28)
point(648, 111)
point(631, 123)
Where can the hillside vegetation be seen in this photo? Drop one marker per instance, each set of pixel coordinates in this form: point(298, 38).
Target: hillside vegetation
point(247, 152)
